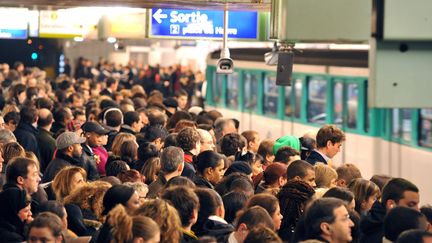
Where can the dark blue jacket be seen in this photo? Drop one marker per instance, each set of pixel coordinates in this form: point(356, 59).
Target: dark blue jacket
point(26, 134)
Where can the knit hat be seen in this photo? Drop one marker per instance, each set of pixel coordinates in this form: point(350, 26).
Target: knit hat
point(117, 194)
point(239, 166)
point(67, 139)
point(287, 140)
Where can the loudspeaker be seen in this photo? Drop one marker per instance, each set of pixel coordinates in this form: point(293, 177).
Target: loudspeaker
point(284, 68)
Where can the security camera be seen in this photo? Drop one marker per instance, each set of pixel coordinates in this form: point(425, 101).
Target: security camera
point(225, 66)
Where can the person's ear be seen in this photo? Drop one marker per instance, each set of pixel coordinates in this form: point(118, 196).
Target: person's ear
point(20, 180)
point(341, 183)
point(390, 204)
point(325, 228)
point(281, 181)
point(329, 143)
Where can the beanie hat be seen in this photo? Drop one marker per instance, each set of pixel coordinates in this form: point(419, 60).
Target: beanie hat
point(287, 140)
point(118, 194)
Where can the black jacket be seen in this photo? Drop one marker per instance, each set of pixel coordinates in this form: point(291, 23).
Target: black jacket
point(76, 221)
point(216, 229)
point(47, 146)
point(156, 186)
point(202, 182)
point(127, 129)
point(9, 233)
point(315, 157)
point(89, 163)
point(372, 224)
point(61, 161)
point(26, 134)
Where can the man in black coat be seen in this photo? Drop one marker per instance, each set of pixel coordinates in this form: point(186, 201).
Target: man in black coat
point(69, 153)
point(46, 141)
point(26, 133)
point(329, 141)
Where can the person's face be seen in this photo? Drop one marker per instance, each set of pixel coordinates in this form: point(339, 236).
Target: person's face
point(93, 139)
point(133, 203)
point(367, 204)
point(22, 97)
point(103, 140)
point(333, 183)
point(351, 205)
point(253, 145)
point(340, 229)
point(257, 168)
point(207, 143)
point(216, 173)
point(31, 183)
point(11, 126)
point(310, 178)
point(182, 102)
point(81, 119)
point(77, 102)
point(43, 234)
point(333, 148)
point(229, 128)
point(25, 213)
point(277, 218)
point(144, 118)
point(411, 200)
point(138, 125)
point(76, 150)
point(2, 123)
point(77, 181)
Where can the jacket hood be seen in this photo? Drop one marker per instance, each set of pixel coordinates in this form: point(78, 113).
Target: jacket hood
point(374, 219)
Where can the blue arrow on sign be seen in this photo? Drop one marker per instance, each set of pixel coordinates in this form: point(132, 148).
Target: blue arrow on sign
point(158, 16)
point(182, 23)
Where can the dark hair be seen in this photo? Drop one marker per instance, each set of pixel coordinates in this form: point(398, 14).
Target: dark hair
point(110, 81)
point(341, 193)
point(45, 121)
point(171, 140)
point(150, 169)
point(395, 188)
point(14, 117)
point(154, 132)
point(284, 153)
point(380, 180)
point(266, 148)
point(28, 114)
point(117, 194)
point(232, 143)
point(307, 145)
point(184, 200)
point(362, 190)
point(298, 168)
point(233, 202)
point(47, 220)
point(131, 117)
point(413, 235)
point(128, 151)
point(262, 234)
point(426, 210)
point(248, 157)
point(255, 216)
point(188, 138)
point(207, 159)
point(265, 200)
point(329, 133)
point(321, 210)
point(44, 103)
point(131, 175)
point(18, 166)
point(235, 182)
point(60, 115)
point(113, 118)
point(146, 151)
point(180, 181)
point(52, 206)
point(113, 168)
point(209, 201)
point(400, 219)
point(176, 117)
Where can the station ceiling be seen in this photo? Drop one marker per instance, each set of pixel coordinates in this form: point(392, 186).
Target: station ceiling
point(260, 5)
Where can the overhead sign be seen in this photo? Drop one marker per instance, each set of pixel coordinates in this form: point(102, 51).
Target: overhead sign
point(175, 23)
point(13, 23)
point(66, 23)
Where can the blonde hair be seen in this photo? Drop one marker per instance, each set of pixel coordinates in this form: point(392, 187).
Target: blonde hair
point(90, 197)
point(126, 228)
point(61, 184)
point(324, 174)
point(165, 216)
point(9, 108)
point(119, 140)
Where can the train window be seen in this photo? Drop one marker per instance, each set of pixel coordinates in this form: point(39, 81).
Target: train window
point(353, 96)
point(402, 122)
point(271, 95)
point(288, 106)
point(425, 136)
point(317, 99)
point(298, 96)
point(338, 103)
point(250, 91)
point(232, 91)
point(217, 86)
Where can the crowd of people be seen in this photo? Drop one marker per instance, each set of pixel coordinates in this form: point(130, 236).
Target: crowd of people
point(125, 155)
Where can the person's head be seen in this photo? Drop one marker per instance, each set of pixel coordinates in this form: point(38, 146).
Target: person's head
point(12, 150)
point(172, 160)
point(400, 192)
point(15, 207)
point(232, 143)
point(56, 208)
point(156, 135)
point(262, 234)
point(301, 170)
point(253, 140)
point(183, 124)
point(151, 169)
point(6, 136)
point(224, 126)
point(210, 204)
point(287, 140)
point(307, 146)
point(329, 140)
point(182, 99)
point(328, 218)
point(133, 119)
point(254, 160)
point(24, 173)
point(129, 151)
point(165, 216)
point(365, 194)
point(11, 120)
point(185, 201)
point(239, 167)
point(132, 229)
point(28, 114)
point(346, 173)
point(113, 168)
point(179, 181)
point(251, 218)
point(119, 139)
point(188, 139)
point(426, 210)
point(131, 175)
point(210, 165)
point(380, 180)
point(68, 179)
point(206, 140)
point(233, 202)
point(113, 117)
point(275, 175)
point(265, 149)
point(112, 84)
point(94, 133)
point(400, 219)
point(415, 235)
point(69, 143)
point(46, 227)
point(235, 182)
point(342, 193)
point(120, 194)
point(325, 176)
point(286, 155)
point(177, 117)
point(270, 203)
